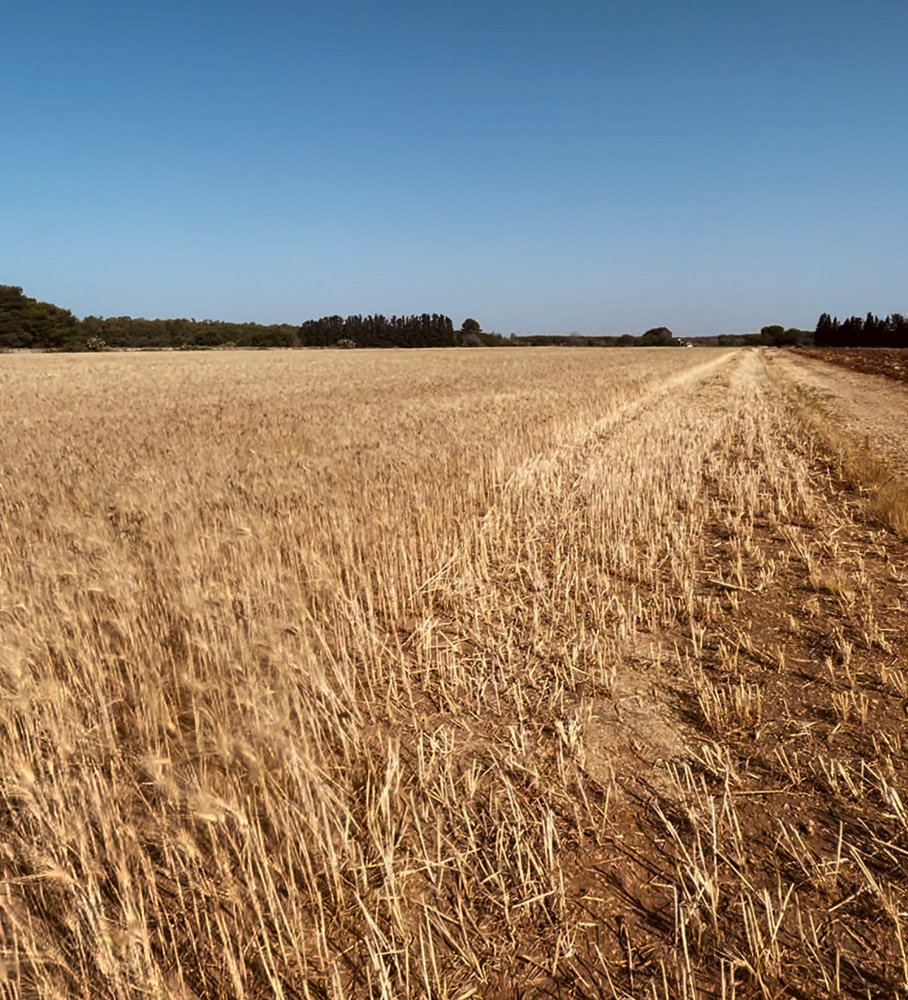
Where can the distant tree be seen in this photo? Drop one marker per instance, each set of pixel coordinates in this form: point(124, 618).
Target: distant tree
point(659, 336)
point(778, 336)
point(426, 330)
point(470, 326)
point(897, 332)
point(872, 331)
point(826, 334)
point(26, 322)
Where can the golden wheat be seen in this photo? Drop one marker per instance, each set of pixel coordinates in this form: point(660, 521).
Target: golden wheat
point(336, 674)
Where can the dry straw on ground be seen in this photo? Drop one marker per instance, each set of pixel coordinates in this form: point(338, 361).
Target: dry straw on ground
point(441, 674)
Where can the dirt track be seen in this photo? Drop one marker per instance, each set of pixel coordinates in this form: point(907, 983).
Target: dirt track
point(870, 408)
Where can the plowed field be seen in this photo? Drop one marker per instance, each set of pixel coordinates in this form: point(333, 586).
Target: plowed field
point(889, 363)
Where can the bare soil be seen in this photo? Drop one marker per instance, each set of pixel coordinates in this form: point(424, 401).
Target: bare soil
point(809, 774)
point(891, 363)
point(871, 408)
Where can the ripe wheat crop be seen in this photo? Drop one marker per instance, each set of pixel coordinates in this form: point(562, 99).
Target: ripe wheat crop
point(440, 674)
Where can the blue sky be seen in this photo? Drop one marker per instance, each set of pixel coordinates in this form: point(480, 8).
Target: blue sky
point(710, 165)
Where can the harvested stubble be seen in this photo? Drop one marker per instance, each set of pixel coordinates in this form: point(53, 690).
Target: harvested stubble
point(322, 677)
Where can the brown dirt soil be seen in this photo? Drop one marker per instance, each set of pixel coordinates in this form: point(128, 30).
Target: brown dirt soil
point(756, 843)
point(889, 362)
point(872, 410)
point(792, 720)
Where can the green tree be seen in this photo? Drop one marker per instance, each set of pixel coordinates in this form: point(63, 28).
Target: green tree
point(659, 336)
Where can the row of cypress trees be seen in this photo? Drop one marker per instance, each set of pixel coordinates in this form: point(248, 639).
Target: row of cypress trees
point(872, 331)
point(427, 330)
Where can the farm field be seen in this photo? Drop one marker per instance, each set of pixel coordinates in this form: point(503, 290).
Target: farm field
point(867, 412)
point(439, 674)
point(888, 362)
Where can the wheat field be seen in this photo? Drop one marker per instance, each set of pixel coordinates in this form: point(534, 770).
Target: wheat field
point(439, 674)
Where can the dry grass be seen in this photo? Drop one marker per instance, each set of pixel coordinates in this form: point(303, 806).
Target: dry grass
point(863, 467)
point(435, 675)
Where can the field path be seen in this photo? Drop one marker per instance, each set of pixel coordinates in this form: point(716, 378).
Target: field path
point(625, 411)
point(616, 519)
point(869, 407)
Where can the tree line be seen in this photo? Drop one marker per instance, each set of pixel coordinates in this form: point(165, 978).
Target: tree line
point(872, 331)
point(658, 336)
point(427, 330)
point(769, 336)
point(28, 323)
point(25, 322)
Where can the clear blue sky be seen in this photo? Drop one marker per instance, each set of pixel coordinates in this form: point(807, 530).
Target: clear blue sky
point(592, 165)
